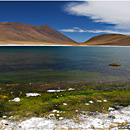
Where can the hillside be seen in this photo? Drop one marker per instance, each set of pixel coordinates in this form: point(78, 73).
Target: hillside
point(20, 33)
point(109, 39)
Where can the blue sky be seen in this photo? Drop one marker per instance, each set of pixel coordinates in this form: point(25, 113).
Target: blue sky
point(77, 20)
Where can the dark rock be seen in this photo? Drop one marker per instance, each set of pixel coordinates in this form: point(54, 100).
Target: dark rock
point(117, 107)
point(111, 117)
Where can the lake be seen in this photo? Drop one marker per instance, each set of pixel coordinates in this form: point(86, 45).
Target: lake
point(63, 64)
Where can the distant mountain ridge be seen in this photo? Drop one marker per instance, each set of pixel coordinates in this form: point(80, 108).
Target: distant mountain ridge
point(16, 32)
point(109, 39)
point(21, 33)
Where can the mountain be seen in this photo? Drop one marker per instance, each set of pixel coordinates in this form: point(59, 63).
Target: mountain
point(109, 39)
point(20, 33)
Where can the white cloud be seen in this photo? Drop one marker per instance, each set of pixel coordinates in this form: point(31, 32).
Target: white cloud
point(111, 12)
point(108, 31)
point(68, 30)
point(77, 29)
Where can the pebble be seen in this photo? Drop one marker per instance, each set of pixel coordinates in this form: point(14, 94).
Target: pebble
point(33, 94)
point(65, 104)
point(104, 100)
point(61, 118)
point(4, 116)
point(54, 111)
point(111, 109)
point(76, 110)
point(99, 101)
point(16, 99)
point(111, 117)
point(90, 101)
point(71, 89)
point(51, 114)
point(53, 91)
point(87, 104)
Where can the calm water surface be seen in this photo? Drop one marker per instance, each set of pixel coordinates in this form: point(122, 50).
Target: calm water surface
point(64, 64)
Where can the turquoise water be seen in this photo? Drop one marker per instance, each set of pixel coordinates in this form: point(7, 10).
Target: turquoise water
point(63, 64)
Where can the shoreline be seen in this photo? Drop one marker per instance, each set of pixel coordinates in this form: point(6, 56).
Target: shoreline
point(103, 46)
point(111, 120)
point(31, 45)
point(60, 45)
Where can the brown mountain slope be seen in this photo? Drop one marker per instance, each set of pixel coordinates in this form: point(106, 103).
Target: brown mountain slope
point(15, 32)
point(109, 39)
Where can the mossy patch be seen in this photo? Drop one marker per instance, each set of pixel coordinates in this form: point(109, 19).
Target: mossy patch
point(114, 94)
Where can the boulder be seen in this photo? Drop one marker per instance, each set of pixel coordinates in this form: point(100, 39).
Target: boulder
point(114, 64)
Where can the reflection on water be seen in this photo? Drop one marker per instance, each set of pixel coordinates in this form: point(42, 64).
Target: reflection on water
point(67, 64)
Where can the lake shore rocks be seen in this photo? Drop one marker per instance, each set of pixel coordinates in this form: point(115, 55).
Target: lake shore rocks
point(101, 121)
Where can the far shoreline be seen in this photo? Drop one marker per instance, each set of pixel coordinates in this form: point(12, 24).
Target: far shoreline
point(29, 45)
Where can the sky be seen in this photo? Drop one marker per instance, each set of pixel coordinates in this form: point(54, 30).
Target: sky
point(79, 20)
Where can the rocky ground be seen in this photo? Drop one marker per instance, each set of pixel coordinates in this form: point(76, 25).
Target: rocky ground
point(100, 121)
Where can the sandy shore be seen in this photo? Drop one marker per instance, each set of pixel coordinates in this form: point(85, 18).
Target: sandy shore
point(23, 43)
point(59, 45)
point(31, 45)
point(102, 46)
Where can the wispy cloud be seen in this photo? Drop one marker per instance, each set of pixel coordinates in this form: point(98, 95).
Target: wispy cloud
point(79, 30)
point(75, 29)
point(111, 12)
